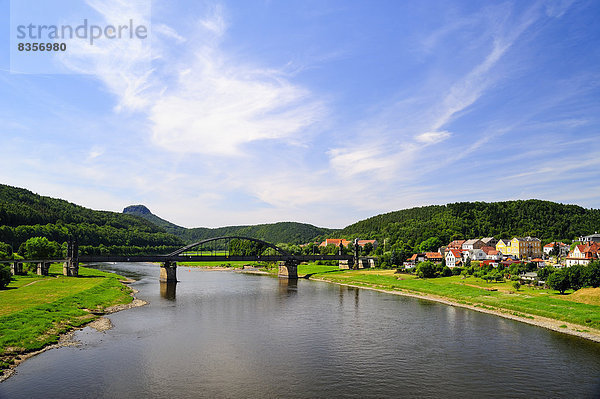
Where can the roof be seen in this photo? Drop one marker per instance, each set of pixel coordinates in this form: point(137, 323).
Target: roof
point(471, 241)
point(335, 241)
point(551, 245)
point(538, 260)
point(433, 255)
point(528, 238)
point(456, 253)
point(487, 239)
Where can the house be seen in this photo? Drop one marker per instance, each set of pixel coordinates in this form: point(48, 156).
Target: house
point(456, 244)
point(530, 277)
point(489, 262)
point(474, 254)
point(563, 248)
point(489, 241)
point(583, 254)
point(334, 241)
point(503, 246)
point(521, 247)
point(435, 257)
point(491, 253)
point(591, 238)
point(473, 244)
point(453, 258)
point(415, 259)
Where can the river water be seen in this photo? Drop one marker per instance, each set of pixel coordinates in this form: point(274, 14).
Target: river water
point(228, 335)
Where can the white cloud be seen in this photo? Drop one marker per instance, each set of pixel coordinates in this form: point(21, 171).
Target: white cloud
point(433, 137)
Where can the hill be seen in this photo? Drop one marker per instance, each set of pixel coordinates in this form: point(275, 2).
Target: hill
point(24, 214)
point(282, 232)
point(546, 220)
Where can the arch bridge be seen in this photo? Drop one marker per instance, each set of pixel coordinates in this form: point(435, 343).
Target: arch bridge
point(261, 251)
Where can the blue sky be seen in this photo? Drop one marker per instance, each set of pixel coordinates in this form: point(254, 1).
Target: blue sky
point(324, 112)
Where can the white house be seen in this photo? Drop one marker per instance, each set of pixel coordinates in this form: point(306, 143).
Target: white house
point(474, 254)
point(583, 254)
point(563, 248)
point(453, 258)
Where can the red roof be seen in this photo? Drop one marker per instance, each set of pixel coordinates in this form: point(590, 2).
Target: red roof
point(433, 255)
point(456, 253)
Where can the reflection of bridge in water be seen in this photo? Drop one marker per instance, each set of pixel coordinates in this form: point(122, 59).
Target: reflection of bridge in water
point(258, 251)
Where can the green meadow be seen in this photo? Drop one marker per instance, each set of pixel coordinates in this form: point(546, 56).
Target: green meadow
point(36, 310)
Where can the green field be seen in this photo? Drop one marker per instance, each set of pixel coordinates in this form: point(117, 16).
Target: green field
point(527, 302)
point(35, 310)
point(232, 264)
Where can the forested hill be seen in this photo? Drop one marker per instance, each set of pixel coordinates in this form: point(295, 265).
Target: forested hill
point(543, 219)
point(282, 232)
point(24, 215)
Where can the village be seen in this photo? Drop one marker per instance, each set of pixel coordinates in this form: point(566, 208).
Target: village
point(491, 252)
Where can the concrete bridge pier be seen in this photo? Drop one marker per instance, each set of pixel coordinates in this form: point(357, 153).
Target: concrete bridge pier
point(168, 272)
point(71, 268)
point(16, 268)
point(288, 269)
point(42, 268)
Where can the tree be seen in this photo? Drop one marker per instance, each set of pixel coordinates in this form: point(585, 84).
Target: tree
point(395, 259)
point(592, 274)
point(576, 276)
point(545, 272)
point(559, 280)
point(5, 276)
point(426, 269)
point(40, 248)
point(5, 251)
point(517, 285)
point(430, 245)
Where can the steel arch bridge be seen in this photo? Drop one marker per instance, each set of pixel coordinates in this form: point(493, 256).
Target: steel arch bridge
point(287, 262)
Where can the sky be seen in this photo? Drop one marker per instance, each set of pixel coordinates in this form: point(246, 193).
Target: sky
point(323, 112)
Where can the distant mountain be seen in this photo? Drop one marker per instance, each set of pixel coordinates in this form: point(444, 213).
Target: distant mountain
point(282, 232)
point(144, 213)
point(546, 220)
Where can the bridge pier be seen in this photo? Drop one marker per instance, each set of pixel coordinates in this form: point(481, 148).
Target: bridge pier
point(42, 268)
point(288, 269)
point(71, 266)
point(168, 272)
point(16, 268)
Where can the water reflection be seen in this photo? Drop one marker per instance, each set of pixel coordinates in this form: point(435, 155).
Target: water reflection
point(168, 290)
point(288, 286)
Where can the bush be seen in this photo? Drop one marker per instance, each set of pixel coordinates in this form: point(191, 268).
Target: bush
point(456, 271)
point(517, 285)
point(5, 276)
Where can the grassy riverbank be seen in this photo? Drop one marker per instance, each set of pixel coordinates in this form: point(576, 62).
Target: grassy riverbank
point(580, 308)
point(36, 310)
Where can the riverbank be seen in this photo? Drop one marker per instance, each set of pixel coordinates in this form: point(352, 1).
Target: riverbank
point(40, 313)
point(531, 306)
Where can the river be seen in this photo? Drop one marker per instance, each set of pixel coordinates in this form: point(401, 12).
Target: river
point(220, 334)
